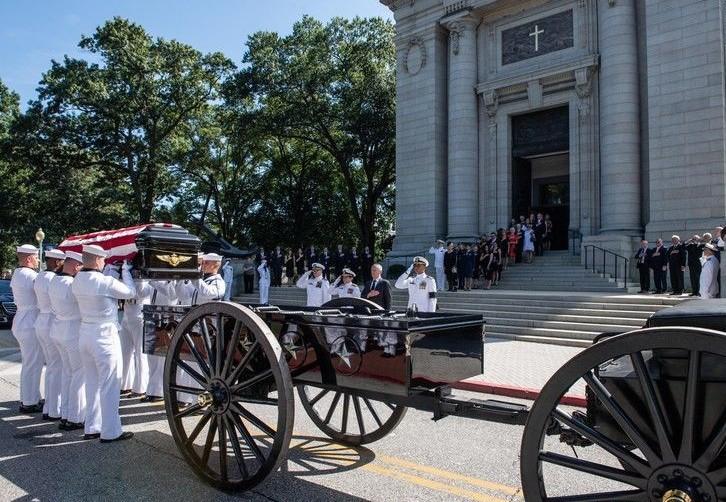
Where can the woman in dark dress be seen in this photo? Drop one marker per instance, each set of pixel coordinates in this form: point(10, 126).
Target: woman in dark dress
point(366, 262)
point(520, 243)
point(476, 271)
point(461, 264)
point(354, 261)
point(289, 268)
point(300, 262)
point(469, 272)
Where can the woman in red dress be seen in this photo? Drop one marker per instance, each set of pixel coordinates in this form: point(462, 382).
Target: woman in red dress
point(513, 240)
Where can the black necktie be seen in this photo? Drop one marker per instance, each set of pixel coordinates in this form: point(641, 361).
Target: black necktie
point(375, 283)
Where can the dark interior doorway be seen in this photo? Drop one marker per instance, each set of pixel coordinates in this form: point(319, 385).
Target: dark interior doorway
point(540, 168)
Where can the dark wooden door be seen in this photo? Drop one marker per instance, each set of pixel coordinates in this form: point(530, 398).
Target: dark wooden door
point(521, 187)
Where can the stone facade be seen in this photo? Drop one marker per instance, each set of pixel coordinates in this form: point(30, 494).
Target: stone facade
point(643, 83)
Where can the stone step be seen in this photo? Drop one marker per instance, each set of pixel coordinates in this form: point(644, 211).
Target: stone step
point(567, 342)
point(559, 326)
point(541, 332)
point(564, 318)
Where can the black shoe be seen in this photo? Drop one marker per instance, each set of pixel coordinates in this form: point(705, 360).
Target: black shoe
point(137, 394)
point(151, 399)
point(95, 435)
point(49, 418)
point(32, 408)
point(74, 426)
point(126, 392)
point(123, 436)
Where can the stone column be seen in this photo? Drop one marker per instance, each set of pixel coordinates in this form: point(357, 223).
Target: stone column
point(463, 196)
point(619, 118)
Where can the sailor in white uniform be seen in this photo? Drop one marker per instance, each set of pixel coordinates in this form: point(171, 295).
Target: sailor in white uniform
point(316, 285)
point(133, 326)
point(343, 287)
point(23, 328)
point(228, 276)
point(709, 272)
point(439, 251)
point(421, 287)
point(264, 282)
point(97, 296)
point(65, 336)
point(164, 294)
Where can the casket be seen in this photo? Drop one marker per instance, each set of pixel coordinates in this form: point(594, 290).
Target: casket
point(156, 250)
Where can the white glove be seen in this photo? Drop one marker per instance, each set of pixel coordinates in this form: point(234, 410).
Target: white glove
point(126, 266)
point(409, 270)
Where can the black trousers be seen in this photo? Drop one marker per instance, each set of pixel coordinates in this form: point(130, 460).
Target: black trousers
point(659, 277)
point(676, 279)
point(694, 270)
point(539, 246)
point(450, 279)
point(644, 278)
point(249, 283)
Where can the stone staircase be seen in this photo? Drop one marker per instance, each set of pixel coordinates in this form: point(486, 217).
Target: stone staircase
point(563, 318)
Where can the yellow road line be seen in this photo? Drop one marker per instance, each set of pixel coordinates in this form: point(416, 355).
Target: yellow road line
point(431, 484)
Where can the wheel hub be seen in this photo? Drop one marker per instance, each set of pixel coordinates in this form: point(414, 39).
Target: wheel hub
point(680, 483)
point(217, 396)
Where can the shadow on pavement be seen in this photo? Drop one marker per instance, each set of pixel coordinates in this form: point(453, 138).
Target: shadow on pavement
point(44, 463)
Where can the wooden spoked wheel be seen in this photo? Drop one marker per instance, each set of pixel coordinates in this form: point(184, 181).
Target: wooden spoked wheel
point(226, 361)
point(655, 426)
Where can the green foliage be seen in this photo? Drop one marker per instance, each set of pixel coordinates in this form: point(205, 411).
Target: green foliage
point(395, 271)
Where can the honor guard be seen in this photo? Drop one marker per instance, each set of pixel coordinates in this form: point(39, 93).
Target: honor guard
point(164, 294)
point(23, 328)
point(43, 325)
point(99, 344)
point(228, 276)
point(65, 336)
point(708, 287)
point(438, 250)
point(421, 287)
point(343, 287)
point(133, 328)
point(209, 288)
point(317, 286)
point(264, 283)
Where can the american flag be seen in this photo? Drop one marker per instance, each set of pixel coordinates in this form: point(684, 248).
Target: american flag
point(120, 243)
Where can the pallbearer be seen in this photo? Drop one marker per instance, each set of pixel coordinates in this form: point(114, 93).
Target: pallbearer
point(43, 325)
point(133, 326)
point(209, 288)
point(65, 336)
point(317, 286)
point(344, 286)
point(24, 328)
point(164, 294)
point(421, 287)
point(97, 296)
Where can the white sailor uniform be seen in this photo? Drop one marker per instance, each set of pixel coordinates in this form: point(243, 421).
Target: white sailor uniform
point(65, 336)
point(264, 283)
point(133, 326)
point(439, 253)
point(164, 294)
point(342, 290)
point(318, 289)
point(97, 296)
point(53, 362)
point(421, 291)
point(23, 330)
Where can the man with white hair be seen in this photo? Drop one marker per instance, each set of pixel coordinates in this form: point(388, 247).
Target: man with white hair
point(23, 328)
point(421, 287)
point(677, 264)
point(378, 290)
point(43, 326)
point(99, 344)
point(316, 286)
point(708, 287)
point(65, 336)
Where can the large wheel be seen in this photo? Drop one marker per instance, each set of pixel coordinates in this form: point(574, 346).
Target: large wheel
point(229, 398)
point(332, 410)
point(654, 429)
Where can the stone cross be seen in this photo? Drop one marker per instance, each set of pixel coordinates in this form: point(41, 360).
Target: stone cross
point(536, 33)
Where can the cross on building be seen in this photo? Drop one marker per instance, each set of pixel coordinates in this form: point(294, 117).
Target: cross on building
point(536, 33)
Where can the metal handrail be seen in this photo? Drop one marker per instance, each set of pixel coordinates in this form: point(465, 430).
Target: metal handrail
point(605, 254)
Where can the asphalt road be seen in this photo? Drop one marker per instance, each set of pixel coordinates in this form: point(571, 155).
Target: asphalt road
point(453, 459)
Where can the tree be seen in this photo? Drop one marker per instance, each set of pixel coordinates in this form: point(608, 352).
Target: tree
point(332, 86)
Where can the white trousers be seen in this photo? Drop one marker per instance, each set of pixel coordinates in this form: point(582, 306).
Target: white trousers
point(73, 397)
point(440, 278)
point(264, 291)
point(133, 328)
point(100, 349)
point(127, 353)
point(53, 364)
point(227, 290)
point(31, 367)
point(156, 376)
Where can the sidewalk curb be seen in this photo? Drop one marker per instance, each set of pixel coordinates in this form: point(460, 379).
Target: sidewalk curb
point(514, 391)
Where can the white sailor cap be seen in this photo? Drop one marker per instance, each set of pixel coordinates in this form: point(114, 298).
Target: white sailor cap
point(95, 250)
point(72, 255)
point(347, 271)
point(55, 253)
point(440, 242)
point(212, 257)
point(675, 237)
point(420, 259)
point(200, 254)
point(26, 249)
point(317, 265)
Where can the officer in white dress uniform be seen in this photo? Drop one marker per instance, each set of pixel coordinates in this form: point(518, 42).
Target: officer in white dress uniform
point(317, 286)
point(421, 287)
point(23, 328)
point(43, 325)
point(264, 282)
point(708, 286)
point(97, 296)
point(65, 336)
point(228, 276)
point(343, 287)
point(164, 294)
point(439, 251)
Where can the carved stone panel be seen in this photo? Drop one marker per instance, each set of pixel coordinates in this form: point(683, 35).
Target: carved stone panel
point(536, 38)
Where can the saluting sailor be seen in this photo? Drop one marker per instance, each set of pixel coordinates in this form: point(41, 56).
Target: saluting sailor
point(99, 344)
point(317, 286)
point(43, 325)
point(23, 328)
point(65, 336)
point(421, 287)
point(164, 294)
point(264, 282)
point(343, 287)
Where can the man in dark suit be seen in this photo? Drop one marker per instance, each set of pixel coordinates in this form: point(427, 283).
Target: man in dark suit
point(642, 257)
point(378, 290)
point(694, 248)
point(540, 227)
point(276, 264)
point(677, 264)
point(659, 264)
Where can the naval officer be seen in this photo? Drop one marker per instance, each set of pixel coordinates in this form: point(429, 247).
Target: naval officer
point(99, 344)
point(439, 251)
point(43, 326)
point(264, 282)
point(708, 287)
point(65, 336)
point(421, 287)
point(343, 287)
point(23, 328)
point(317, 286)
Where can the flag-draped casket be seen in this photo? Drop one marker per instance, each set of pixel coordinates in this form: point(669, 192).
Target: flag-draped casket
point(156, 250)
